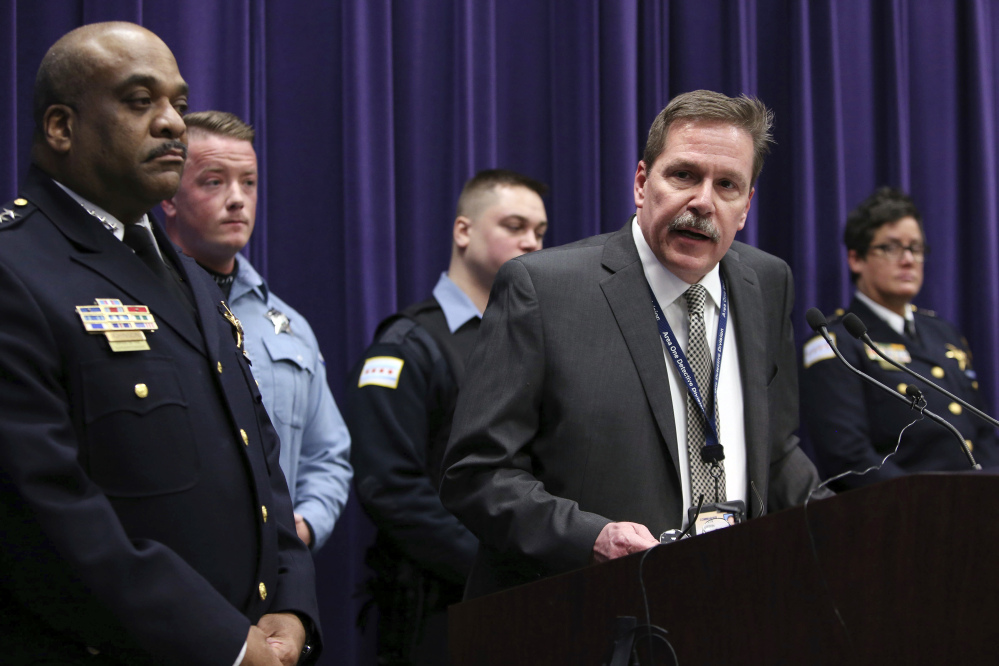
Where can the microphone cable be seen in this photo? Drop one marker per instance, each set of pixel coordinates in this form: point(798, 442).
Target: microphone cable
point(654, 630)
point(917, 404)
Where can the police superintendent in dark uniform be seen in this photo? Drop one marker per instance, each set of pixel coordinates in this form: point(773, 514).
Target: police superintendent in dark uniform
point(400, 402)
point(854, 425)
point(143, 514)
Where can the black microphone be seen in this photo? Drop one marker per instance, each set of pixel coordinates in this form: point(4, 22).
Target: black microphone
point(818, 322)
point(855, 327)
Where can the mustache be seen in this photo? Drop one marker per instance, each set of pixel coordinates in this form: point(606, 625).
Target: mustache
point(695, 223)
point(165, 148)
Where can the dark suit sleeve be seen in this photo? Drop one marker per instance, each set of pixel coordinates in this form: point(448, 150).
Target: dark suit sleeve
point(836, 412)
point(115, 590)
point(792, 474)
point(490, 483)
point(390, 429)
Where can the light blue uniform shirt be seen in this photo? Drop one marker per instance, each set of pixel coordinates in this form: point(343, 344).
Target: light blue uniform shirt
point(291, 373)
point(458, 308)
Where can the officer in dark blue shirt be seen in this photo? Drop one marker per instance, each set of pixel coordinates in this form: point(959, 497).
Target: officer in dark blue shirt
point(400, 401)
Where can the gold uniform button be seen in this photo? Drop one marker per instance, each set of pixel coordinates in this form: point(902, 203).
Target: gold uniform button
point(263, 591)
point(263, 512)
point(141, 390)
point(220, 367)
point(955, 409)
point(92, 650)
point(902, 387)
point(974, 384)
point(246, 438)
point(20, 202)
point(937, 372)
point(971, 447)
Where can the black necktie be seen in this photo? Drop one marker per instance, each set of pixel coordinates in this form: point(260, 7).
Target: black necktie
point(141, 240)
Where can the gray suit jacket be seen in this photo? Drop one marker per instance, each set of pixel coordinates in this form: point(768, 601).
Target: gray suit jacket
point(565, 422)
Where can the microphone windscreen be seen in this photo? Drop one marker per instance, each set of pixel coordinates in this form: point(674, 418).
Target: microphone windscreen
point(815, 318)
point(913, 392)
point(853, 325)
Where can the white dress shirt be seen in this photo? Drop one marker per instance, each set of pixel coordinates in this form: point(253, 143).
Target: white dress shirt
point(893, 319)
point(669, 290)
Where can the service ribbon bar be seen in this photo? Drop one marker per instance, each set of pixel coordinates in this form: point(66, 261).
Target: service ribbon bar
point(112, 319)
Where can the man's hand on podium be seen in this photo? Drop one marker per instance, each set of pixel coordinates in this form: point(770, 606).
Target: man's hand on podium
point(619, 539)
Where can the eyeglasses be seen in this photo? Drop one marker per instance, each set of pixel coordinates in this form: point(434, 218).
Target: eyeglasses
point(895, 251)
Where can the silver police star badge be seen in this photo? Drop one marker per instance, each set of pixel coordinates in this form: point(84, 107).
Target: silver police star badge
point(280, 320)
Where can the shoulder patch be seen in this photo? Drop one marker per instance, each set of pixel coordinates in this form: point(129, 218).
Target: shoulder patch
point(381, 371)
point(817, 349)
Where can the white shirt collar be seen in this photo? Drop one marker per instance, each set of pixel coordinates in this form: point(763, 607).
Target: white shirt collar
point(665, 285)
point(893, 319)
point(110, 222)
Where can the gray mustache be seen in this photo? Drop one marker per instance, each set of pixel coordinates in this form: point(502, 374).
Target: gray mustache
point(700, 224)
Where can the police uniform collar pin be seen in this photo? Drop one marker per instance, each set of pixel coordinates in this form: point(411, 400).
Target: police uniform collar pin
point(103, 220)
point(282, 324)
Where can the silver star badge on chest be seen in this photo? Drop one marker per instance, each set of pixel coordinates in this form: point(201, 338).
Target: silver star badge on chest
point(280, 320)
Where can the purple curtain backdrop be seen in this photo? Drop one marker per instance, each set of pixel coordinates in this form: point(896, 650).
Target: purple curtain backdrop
point(372, 113)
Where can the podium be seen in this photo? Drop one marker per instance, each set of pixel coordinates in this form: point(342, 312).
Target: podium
point(905, 571)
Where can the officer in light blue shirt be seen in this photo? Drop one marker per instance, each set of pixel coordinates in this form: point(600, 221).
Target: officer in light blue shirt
point(291, 373)
point(211, 218)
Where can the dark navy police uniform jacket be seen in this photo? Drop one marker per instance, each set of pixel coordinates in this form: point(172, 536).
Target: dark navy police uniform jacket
point(853, 425)
point(143, 514)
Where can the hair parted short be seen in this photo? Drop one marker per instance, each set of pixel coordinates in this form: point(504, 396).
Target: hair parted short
point(66, 68)
point(60, 80)
point(220, 123)
point(491, 178)
point(745, 112)
point(884, 206)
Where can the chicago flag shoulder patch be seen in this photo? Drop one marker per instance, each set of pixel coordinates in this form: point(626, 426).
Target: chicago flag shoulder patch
point(381, 371)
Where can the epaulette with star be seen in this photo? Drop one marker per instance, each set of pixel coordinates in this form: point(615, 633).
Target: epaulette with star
point(922, 311)
point(13, 212)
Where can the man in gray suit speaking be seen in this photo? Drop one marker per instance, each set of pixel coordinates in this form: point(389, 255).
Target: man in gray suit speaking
point(619, 380)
